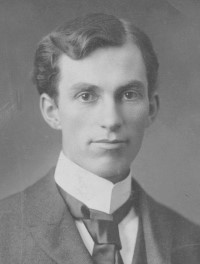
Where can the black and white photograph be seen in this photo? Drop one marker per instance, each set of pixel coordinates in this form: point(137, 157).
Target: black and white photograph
point(100, 132)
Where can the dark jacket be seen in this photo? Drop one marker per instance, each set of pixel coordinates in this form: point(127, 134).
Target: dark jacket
point(36, 227)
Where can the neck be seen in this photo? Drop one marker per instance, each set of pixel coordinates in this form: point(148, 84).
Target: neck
point(118, 177)
point(88, 187)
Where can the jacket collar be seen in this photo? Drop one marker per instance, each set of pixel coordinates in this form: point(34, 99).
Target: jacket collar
point(55, 231)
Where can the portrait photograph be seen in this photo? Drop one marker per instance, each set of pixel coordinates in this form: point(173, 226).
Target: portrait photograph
point(100, 131)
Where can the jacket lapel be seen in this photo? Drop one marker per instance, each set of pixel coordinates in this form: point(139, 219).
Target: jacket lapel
point(156, 230)
point(51, 224)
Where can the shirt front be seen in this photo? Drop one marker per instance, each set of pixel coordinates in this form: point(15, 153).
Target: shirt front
point(99, 194)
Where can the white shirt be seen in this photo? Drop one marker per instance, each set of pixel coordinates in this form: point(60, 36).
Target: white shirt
point(99, 194)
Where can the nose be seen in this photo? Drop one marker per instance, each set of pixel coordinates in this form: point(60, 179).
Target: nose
point(111, 116)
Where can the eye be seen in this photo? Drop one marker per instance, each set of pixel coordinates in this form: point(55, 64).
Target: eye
point(87, 97)
point(129, 95)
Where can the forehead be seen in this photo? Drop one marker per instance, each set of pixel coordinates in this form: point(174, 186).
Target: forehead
point(105, 66)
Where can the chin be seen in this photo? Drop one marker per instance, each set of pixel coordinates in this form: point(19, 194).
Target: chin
point(113, 173)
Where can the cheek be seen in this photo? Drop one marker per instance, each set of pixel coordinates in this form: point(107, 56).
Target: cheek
point(137, 118)
point(73, 126)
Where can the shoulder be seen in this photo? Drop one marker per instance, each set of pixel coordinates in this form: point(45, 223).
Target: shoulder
point(183, 233)
point(12, 207)
point(174, 219)
point(163, 216)
point(11, 225)
point(15, 235)
point(9, 207)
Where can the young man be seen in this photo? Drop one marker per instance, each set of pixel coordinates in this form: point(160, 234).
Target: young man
point(97, 79)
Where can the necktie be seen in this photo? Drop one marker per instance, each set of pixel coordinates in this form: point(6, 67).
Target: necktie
point(102, 227)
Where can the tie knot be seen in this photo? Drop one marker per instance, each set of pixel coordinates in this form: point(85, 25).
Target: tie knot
point(92, 214)
point(103, 227)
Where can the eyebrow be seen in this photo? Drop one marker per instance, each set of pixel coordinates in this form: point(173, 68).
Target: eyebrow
point(83, 86)
point(137, 85)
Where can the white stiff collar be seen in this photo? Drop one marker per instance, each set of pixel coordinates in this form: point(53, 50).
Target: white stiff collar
point(96, 192)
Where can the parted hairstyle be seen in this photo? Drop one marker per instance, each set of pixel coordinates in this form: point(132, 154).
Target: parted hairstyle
point(79, 37)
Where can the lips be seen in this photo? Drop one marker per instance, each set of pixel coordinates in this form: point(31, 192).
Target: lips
point(110, 144)
point(115, 141)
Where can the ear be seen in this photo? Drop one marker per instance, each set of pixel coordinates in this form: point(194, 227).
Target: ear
point(49, 111)
point(154, 104)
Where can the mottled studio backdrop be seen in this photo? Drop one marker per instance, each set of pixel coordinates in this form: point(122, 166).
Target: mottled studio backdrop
point(168, 165)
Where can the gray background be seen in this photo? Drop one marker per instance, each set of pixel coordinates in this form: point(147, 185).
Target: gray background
point(168, 165)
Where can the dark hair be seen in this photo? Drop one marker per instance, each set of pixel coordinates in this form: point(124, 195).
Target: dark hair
point(80, 37)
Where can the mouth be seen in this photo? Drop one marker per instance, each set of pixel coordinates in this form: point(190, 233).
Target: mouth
point(115, 141)
point(110, 144)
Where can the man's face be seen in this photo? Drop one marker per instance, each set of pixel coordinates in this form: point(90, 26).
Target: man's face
point(103, 108)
